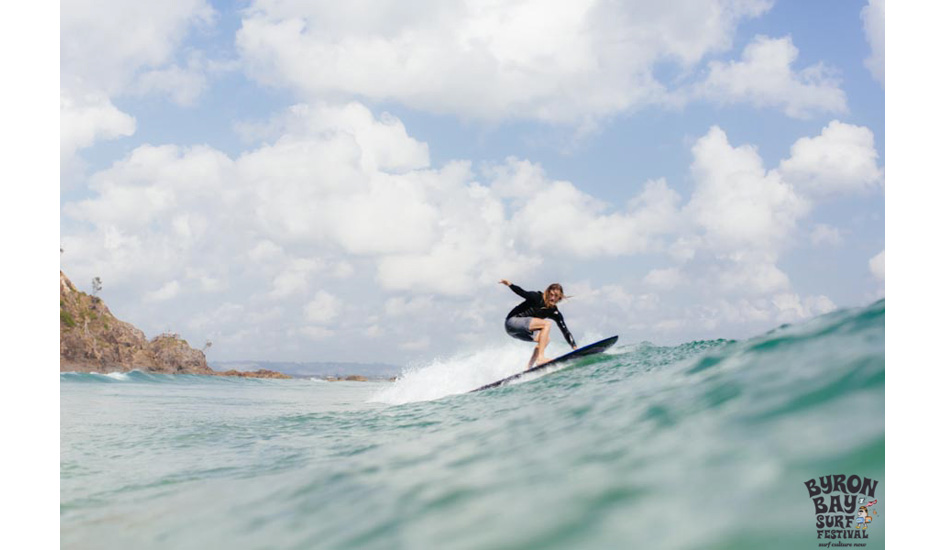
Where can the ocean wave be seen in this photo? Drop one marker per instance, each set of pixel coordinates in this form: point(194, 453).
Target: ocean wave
point(705, 444)
point(141, 377)
point(827, 334)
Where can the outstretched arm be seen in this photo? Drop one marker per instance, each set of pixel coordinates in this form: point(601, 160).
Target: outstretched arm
point(515, 288)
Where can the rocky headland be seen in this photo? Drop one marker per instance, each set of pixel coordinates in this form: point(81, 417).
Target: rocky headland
point(92, 339)
point(259, 373)
point(350, 378)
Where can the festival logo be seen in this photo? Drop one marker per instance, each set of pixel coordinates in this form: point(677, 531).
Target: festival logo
point(844, 509)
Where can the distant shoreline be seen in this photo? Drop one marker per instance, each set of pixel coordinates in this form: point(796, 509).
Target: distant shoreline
point(316, 369)
point(260, 374)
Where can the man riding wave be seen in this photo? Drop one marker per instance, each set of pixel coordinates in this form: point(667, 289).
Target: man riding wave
point(531, 320)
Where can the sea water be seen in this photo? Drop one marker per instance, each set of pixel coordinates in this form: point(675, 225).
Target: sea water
point(702, 445)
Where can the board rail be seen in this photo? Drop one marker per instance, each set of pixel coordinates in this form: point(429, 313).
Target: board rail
point(590, 349)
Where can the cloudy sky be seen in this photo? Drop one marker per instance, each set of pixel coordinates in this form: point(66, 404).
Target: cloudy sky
point(305, 180)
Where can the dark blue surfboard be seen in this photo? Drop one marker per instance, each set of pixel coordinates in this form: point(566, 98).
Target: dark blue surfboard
point(591, 349)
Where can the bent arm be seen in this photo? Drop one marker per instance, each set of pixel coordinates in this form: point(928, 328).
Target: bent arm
point(559, 319)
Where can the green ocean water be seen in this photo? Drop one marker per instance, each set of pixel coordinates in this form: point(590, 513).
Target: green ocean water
point(706, 445)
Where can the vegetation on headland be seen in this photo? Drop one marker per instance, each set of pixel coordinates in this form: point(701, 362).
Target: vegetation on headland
point(350, 378)
point(92, 339)
point(260, 373)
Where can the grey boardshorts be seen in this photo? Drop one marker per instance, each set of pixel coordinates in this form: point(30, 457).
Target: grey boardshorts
point(517, 327)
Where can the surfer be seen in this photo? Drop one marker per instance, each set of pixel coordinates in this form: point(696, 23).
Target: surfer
point(531, 320)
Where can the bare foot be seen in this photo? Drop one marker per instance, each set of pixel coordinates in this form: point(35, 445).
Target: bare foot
point(542, 361)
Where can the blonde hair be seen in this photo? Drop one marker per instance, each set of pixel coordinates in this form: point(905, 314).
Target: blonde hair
point(549, 294)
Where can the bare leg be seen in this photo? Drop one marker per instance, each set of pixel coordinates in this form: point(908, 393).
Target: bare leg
point(534, 358)
point(543, 326)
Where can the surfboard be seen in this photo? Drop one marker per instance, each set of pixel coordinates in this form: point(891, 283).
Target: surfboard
point(590, 349)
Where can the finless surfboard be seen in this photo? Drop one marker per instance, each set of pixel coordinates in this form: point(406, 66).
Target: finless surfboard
point(591, 349)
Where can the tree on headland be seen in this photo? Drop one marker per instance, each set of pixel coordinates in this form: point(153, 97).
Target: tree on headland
point(96, 286)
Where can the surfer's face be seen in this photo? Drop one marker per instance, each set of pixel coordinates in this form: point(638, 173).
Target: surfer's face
point(553, 294)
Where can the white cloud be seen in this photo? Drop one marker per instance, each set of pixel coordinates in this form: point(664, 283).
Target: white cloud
point(168, 291)
point(558, 217)
point(275, 228)
point(324, 186)
point(206, 282)
point(155, 183)
point(323, 308)
point(565, 62)
point(840, 160)
point(741, 208)
point(764, 77)
point(738, 205)
point(416, 345)
point(104, 43)
point(744, 215)
point(605, 309)
point(762, 312)
point(382, 142)
point(264, 251)
point(401, 306)
point(823, 234)
point(751, 276)
point(333, 167)
point(793, 308)
point(873, 17)
point(182, 84)
point(294, 279)
point(105, 46)
point(214, 318)
point(741, 311)
point(665, 279)
point(342, 270)
point(651, 316)
point(314, 332)
point(876, 265)
point(474, 242)
point(88, 118)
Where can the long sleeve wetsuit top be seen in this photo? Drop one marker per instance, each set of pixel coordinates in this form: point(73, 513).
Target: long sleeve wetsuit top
point(533, 306)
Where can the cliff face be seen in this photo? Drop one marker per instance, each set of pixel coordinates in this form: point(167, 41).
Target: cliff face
point(91, 339)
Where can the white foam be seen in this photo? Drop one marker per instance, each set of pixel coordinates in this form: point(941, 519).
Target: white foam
point(113, 375)
point(459, 374)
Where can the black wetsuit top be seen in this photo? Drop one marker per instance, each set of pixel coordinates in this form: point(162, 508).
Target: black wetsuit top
point(533, 306)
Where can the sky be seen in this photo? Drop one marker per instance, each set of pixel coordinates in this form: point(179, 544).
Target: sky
point(317, 181)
